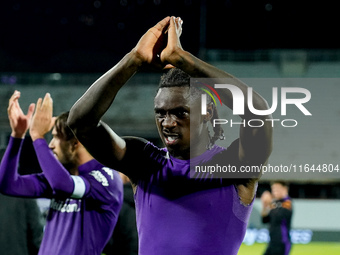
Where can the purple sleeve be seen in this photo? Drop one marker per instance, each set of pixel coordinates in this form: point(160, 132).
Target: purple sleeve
point(106, 188)
point(11, 183)
point(58, 177)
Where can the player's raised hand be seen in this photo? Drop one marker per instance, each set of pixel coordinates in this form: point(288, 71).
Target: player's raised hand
point(42, 121)
point(171, 54)
point(18, 121)
point(152, 43)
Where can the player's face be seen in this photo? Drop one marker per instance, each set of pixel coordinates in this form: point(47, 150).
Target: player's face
point(173, 108)
point(62, 150)
point(279, 191)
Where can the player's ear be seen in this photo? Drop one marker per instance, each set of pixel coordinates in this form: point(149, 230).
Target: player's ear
point(74, 143)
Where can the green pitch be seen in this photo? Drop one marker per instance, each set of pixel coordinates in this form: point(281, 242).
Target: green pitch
point(314, 248)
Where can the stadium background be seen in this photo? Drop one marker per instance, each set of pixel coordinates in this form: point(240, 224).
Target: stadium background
point(63, 46)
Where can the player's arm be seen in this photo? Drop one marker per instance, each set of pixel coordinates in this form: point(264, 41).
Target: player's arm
point(14, 184)
point(60, 180)
point(85, 115)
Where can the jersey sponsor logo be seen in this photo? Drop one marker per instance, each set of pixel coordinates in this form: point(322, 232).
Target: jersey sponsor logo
point(108, 171)
point(64, 206)
point(99, 177)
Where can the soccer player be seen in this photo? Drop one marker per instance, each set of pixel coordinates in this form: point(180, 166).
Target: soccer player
point(85, 196)
point(277, 211)
point(176, 214)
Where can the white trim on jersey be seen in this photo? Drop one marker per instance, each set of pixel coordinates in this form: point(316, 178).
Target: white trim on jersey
point(79, 187)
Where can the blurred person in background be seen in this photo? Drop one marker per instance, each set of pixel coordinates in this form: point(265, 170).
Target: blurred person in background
point(277, 211)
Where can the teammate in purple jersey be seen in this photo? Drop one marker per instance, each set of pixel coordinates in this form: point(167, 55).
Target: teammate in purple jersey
point(86, 197)
point(176, 214)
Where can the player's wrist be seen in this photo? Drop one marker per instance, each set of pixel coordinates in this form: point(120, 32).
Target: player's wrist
point(136, 60)
point(178, 58)
point(36, 135)
point(18, 134)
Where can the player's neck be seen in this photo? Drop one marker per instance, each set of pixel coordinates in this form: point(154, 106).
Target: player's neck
point(83, 156)
point(192, 152)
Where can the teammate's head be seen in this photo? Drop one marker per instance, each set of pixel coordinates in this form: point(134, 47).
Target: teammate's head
point(175, 101)
point(279, 189)
point(64, 144)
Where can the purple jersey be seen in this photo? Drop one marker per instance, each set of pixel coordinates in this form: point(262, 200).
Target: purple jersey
point(81, 218)
point(180, 215)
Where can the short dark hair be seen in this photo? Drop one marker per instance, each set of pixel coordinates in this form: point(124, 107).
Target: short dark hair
point(63, 131)
point(174, 77)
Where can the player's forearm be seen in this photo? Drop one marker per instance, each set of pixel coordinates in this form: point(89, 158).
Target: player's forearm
point(57, 176)
point(88, 110)
point(11, 183)
point(9, 165)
